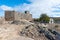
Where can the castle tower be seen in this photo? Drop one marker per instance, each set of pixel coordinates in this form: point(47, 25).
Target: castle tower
point(13, 15)
point(9, 15)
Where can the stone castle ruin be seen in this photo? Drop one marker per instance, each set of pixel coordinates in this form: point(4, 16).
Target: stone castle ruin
point(13, 15)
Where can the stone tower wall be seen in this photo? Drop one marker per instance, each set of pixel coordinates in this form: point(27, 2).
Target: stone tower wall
point(9, 16)
point(12, 15)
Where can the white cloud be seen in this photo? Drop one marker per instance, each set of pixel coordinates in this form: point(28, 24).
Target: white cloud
point(37, 7)
point(40, 6)
point(22, 7)
point(4, 7)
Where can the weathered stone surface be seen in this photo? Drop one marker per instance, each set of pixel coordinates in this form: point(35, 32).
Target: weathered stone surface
point(30, 31)
point(39, 33)
point(13, 15)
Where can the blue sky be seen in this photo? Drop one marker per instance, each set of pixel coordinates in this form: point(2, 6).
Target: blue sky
point(13, 2)
point(36, 7)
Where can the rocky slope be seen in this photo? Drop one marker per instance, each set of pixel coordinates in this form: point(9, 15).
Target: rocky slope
point(39, 33)
point(10, 31)
point(24, 30)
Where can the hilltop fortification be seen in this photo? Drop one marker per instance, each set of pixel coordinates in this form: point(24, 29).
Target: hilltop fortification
point(13, 15)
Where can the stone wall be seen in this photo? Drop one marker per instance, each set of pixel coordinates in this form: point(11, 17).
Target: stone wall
point(13, 15)
point(9, 16)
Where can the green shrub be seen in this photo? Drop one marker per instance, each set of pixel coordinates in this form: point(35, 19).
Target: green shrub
point(44, 18)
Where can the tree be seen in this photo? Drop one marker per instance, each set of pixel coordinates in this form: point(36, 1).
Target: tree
point(44, 18)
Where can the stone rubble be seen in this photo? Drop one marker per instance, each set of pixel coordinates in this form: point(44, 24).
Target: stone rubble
point(39, 33)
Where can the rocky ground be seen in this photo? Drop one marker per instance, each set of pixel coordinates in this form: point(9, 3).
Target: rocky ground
point(24, 30)
point(10, 30)
point(40, 33)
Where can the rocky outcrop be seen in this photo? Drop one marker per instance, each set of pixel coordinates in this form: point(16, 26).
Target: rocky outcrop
point(25, 30)
point(39, 33)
